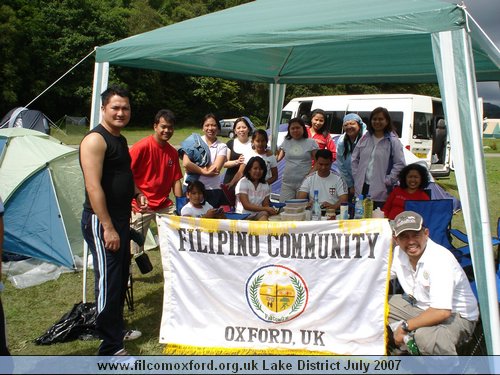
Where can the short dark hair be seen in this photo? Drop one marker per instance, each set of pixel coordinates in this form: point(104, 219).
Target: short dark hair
point(210, 115)
point(389, 128)
point(165, 114)
point(196, 185)
point(422, 171)
point(301, 123)
point(324, 153)
point(244, 120)
point(114, 90)
point(261, 132)
point(262, 164)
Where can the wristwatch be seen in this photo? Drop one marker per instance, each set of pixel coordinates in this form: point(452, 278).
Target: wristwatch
point(404, 325)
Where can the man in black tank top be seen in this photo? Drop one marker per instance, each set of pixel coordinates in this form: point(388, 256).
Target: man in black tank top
point(109, 190)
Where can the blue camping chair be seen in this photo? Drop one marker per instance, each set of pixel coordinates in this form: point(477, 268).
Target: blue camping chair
point(437, 215)
point(465, 255)
point(179, 203)
point(497, 274)
point(465, 250)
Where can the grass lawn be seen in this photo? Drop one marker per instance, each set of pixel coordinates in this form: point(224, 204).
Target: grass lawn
point(493, 189)
point(30, 312)
point(182, 131)
point(491, 145)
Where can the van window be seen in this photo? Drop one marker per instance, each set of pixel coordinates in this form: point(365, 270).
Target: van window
point(338, 117)
point(437, 108)
point(334, 121)
point(304, 111)
point(422, 125)
point(285, 117)
point(397, 122)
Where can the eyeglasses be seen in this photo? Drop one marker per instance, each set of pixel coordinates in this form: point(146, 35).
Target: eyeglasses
point(410, 299)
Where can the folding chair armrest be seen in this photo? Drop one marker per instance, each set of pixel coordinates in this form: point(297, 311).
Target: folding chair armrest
point(459, 235)
point(179, 203)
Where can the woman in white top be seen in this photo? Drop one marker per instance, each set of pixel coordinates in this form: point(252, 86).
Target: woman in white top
point(209, 175)
point(298, 151)
point(236, 149)
point(259, 148)
point(252, 191)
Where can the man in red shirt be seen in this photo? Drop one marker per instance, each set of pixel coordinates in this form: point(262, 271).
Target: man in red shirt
point(156, 170)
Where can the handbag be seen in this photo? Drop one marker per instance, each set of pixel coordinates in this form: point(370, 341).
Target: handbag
point(143, 262)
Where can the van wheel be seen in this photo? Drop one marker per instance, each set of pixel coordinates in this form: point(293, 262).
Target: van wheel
point(231, 135)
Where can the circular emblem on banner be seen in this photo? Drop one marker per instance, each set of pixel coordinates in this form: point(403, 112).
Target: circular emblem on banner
point(276, 294)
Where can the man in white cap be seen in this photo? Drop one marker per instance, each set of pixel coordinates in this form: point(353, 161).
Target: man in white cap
point(438, 306)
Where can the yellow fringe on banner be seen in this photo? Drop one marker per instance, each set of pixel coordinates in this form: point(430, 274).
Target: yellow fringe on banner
point(177, 349)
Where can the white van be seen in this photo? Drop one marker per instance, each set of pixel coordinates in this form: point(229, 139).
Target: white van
point(418, 120)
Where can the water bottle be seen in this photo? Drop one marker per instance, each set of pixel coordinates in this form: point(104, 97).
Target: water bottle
point(344, 211)
point(368, 207)
point(411, 344)
point(358, 207)
point(316, 208)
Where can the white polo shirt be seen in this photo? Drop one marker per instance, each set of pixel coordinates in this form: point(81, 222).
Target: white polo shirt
point(438, 281)
point(329, 188)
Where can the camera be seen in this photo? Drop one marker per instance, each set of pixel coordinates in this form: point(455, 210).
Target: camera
point(137, 237)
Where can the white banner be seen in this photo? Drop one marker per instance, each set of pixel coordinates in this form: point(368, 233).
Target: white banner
point(318, 286)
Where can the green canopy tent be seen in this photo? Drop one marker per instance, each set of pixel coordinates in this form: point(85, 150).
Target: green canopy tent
point(344, 41)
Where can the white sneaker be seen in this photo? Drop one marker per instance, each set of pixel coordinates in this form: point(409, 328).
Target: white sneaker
point(131, 334)
point(121, 352)
point(122, 356)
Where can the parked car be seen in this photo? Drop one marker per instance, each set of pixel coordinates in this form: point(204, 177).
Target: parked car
point(226, 126)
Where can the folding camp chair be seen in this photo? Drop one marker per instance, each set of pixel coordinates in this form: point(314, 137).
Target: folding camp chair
point(465, 250)
point(179, 203)
point(437, 215)
point(497, 274)
point(230, 198)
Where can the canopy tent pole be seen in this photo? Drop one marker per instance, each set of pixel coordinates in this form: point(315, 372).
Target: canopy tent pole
point(459, 91)
point(61, 216)
point(276, 99)
point(101, 74)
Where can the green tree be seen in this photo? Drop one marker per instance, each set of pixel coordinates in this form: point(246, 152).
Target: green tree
point(50, 37)
point(14, 57)
point(43, 39)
